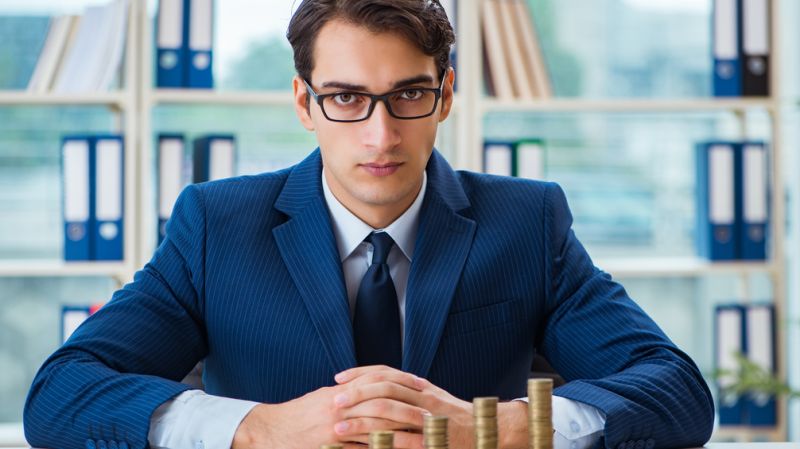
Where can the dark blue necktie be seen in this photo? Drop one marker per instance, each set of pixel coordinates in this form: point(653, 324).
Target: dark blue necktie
point(376, 324)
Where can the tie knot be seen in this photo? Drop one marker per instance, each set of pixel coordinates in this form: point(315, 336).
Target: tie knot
point(381, 245)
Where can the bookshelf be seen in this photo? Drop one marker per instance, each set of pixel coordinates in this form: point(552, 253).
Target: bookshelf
point(134, 104)
point(122, 103)
point(471, 132)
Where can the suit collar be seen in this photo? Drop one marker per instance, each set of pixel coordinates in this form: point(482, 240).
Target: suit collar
point(444, 240)
point(308, 248)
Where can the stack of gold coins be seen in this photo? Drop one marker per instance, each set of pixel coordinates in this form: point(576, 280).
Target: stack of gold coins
point(434, 432)
point(484, 411)
point(381, 439)
point(540, 413)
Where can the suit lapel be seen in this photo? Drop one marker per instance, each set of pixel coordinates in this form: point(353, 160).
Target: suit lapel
point(443, 243)
point(308, 247)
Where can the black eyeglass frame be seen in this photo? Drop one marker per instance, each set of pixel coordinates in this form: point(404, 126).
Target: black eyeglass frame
point(374, 99)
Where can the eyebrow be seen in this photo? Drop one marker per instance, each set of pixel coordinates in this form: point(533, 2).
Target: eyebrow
point(419, 79)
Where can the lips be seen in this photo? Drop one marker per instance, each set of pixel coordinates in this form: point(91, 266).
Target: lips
point(385, 169)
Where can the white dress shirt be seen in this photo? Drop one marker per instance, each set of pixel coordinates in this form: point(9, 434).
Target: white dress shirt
point(196, 420)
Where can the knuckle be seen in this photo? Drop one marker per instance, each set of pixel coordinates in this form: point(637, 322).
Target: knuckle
point(381, 407)
point(357, 426)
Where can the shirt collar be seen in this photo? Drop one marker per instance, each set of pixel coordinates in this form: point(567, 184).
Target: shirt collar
point(350, 231)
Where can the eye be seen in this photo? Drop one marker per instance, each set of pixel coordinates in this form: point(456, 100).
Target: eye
point(345, 98)
point(411, 94)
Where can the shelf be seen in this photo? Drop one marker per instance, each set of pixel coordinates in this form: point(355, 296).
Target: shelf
point(677, 267)
point(746, 433)
point(12, 434)
point(630, 105)
point(214, 97)
point(22, 98)
point(57, 268)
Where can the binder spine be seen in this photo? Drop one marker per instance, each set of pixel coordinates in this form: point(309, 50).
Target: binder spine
point(499, 158)
point(755, 51)
point(170, 44)
point(170, 177)
point(726, 44)
point(755, 199)
point(716, 214)
point(729, 339)
point(77, 164)
point(199, 18)
point(200, 158)
point(109, 197)
point(760, 410)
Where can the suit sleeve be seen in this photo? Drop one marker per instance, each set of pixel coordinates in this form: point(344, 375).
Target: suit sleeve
point(128, 358)
point(613, 356)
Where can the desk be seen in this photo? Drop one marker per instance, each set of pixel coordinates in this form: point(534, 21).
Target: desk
point(707, 446)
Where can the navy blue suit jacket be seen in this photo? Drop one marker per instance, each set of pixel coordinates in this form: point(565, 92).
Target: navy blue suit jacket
point(249, 279)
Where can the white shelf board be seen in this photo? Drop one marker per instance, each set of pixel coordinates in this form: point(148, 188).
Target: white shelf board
point(629, 105)
point(214, 97)
point(12, 435)
point(58, 268)
point(21, 98)
point(677, 267)
point(744, 433)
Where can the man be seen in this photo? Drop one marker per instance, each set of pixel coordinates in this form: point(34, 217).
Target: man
point(366, 286)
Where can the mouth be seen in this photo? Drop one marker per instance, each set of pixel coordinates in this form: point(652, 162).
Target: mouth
point(381, 169)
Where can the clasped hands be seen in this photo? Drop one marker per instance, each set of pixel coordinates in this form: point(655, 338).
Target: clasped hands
point(366, 399)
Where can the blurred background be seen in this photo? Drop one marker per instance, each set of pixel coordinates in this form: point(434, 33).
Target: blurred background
point(631, 99)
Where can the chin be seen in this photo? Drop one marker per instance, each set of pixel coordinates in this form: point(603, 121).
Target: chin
point(380, 197)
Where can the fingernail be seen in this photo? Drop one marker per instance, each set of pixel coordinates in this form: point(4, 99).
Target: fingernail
point(340, 377)
point(340, 399)
point(341, 427)
point(419, 382)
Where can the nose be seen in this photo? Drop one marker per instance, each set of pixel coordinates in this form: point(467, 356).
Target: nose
point(380, 129)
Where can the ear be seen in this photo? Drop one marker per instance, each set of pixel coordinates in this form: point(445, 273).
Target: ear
point(300, 102)
point(447, 94)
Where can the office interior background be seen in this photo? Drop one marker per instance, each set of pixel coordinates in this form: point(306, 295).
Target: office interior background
point(632, 86)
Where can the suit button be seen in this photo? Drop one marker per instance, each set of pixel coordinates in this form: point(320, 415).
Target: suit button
point(112, 444)
point(90, 444)
point(101, 444)
point(639, 444)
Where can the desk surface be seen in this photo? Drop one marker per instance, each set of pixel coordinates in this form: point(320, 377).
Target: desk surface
point(753, 445)
point(707, 446)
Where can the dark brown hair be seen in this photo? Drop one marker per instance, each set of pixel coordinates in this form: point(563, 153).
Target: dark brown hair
point(422, 22)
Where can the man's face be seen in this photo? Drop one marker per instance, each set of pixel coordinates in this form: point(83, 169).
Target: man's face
point(374, 167)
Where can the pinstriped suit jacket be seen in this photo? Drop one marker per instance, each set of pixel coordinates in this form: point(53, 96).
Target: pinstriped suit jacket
point(249, 279)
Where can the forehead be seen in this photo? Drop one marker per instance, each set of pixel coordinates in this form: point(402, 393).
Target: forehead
point(353, 54)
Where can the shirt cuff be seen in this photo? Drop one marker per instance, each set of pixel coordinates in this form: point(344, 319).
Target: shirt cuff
point(576, 425)
point(196, 420)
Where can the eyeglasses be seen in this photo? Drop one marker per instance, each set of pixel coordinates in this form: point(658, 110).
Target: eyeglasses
point(404, 104)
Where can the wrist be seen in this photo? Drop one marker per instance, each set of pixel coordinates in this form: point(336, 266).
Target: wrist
point(250, 429)
point(512, 420)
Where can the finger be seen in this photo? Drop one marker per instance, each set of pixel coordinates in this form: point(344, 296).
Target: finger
point(363, 426)
point(384, 389)
point(411, 416)
point(352, 373)
point(378, 374)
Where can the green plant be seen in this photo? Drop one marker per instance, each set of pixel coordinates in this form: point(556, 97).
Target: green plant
point(751, 378)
